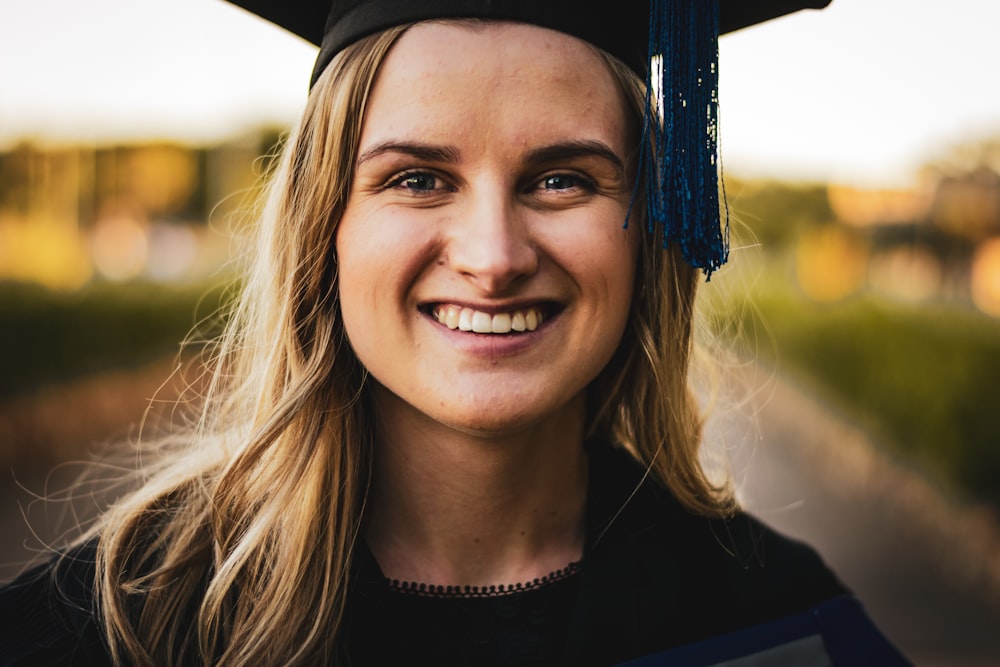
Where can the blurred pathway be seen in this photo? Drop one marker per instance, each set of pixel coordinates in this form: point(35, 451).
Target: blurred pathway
point(928, 573)
point(59, 424)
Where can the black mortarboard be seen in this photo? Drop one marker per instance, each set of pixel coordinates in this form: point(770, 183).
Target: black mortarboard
point(311, 19)
point(681, 171)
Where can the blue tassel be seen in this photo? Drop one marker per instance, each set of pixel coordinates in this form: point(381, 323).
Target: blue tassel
point(679, 161)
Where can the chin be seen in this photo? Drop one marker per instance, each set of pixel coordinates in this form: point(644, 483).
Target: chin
point(495, 418)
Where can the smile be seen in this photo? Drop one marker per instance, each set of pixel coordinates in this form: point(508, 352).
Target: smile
point(476, 321)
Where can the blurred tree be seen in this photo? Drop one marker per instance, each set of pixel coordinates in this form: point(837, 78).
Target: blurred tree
point(967, 190)
point(774, 213)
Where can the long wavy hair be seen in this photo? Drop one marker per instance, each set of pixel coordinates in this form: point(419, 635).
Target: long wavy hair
point(237, 547)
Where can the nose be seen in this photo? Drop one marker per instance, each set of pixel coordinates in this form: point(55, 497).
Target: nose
point(490, 243)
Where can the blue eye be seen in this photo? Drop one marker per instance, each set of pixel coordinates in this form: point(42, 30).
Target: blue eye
point(560, 182)
point(564, 183)
point(416, 181)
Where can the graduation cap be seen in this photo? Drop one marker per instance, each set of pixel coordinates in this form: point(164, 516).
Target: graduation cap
point(672, 44)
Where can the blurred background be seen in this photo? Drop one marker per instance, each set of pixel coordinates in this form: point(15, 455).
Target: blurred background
point(861, 305)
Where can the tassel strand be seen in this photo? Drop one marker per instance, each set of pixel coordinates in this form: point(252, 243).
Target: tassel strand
point(680, 160)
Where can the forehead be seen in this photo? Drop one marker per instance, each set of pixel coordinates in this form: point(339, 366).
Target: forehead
point(499, 41)
point(500, 74)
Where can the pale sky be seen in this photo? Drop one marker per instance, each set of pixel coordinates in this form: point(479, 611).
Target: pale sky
point(863, 92)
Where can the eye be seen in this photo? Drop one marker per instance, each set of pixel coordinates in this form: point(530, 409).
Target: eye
point(416, 181)
point(563, 182)
point(559, 182)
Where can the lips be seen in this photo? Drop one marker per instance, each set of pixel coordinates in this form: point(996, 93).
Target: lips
point(477, 321)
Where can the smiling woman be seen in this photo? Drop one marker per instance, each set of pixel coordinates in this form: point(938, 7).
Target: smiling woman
point(450, 422)
point(491, 187)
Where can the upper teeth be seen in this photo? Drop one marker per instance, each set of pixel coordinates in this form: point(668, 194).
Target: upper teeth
point(467, 319)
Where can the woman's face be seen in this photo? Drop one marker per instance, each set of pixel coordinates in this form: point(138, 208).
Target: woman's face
point(485, 274)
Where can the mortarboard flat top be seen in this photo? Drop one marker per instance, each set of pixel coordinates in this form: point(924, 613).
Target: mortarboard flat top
point(617, 27)
point(307, 18)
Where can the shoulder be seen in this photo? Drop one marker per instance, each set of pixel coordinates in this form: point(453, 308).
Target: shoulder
point(736, 568)
point(696, 575)
point(679, 581)
point(740, 571)
point(48, 615)
point(837, 633)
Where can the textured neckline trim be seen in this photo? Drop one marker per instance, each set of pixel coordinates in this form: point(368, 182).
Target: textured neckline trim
point(495, 591)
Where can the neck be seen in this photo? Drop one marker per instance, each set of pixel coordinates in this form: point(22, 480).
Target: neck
point(453, 508)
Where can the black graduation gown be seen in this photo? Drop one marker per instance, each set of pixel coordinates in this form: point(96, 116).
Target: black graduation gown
point(661, 586)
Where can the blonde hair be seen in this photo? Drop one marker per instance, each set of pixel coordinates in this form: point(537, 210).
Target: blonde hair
point(237, 550)
point(643, 400)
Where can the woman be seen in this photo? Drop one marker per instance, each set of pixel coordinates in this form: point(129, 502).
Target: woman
point(449, 420)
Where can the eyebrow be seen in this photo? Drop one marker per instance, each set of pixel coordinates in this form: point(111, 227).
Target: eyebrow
point(566, 150)
point(576, 149)
point(428, 152)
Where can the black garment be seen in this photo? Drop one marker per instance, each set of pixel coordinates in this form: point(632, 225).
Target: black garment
point(657, 577)
point(520, 628)
point(654, 578)
point(47, 616)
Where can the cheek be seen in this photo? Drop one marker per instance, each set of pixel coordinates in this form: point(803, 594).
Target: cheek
point(379, 257)
point(628, 255)
point(357, 278)
point(352, 311)
point(614, 259)
point(620, 262)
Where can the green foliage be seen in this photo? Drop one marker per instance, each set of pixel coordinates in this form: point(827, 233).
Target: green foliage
point(49, 336)
point(924, 379)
